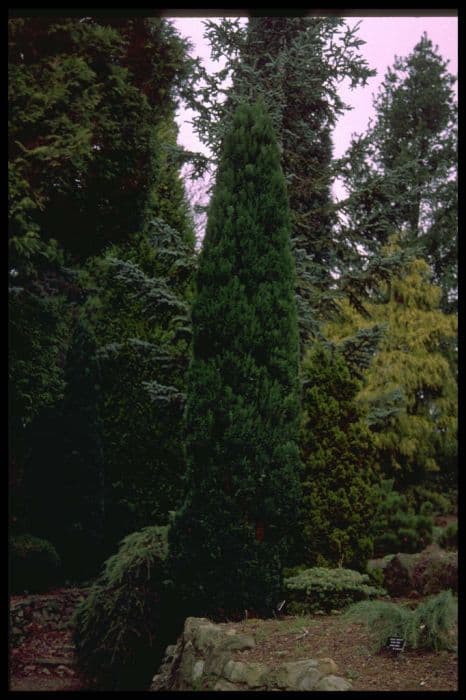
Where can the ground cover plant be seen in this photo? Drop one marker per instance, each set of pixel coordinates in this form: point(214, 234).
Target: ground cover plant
point(429, 626)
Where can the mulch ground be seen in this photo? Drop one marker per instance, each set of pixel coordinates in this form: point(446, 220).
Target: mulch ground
point(349, 645)
point(46, 659)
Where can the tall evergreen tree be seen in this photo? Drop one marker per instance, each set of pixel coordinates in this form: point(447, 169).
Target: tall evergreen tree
point(409, 388)
point(229, 538)
point(63, 487)
point(339, 474)
point(90, 163)
point(401, 176)
point(294, 64)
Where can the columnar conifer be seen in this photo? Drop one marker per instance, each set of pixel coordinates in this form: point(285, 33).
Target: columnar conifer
point(229, 539)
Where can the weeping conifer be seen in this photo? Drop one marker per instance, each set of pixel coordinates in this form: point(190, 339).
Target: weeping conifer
point(230, 537)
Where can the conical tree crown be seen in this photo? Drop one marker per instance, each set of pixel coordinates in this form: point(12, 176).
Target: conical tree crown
point(242, 405)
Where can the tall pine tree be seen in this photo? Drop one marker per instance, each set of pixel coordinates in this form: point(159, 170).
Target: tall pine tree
point(229, 538)
point(401, 176)
point(294, 64)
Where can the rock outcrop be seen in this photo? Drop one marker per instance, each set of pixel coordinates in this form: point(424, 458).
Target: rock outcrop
point(203, 659)
point(424, 573)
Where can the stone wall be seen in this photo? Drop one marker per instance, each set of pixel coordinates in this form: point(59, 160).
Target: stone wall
point(203, 659)
point(52, 610)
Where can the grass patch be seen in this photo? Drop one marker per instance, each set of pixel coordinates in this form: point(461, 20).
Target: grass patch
point(429, 626)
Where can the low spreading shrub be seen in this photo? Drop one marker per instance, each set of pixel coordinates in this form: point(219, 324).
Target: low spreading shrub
point(397, 527)
point(34, 564)
point(327, 589)
point(442, 503)
point(375, 570)
point(430, 626)
point(119, 630)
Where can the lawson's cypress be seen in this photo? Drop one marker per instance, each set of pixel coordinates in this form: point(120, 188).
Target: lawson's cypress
point(230, 538)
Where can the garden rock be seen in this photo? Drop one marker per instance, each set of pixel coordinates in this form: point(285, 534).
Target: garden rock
point(398, 574)
point(436, 571)
point(425, 573)
point(202, 659)
point(333, 683)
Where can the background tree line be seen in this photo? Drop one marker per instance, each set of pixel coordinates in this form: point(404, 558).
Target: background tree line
point(102, 263)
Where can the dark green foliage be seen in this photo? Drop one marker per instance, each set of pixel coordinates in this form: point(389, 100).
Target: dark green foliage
point(448, 538)
point(34, 564)
point(37, 343)
point(429, 626)
point(396, 526)
point(402, 175)
point(85, 95)
point(228, 540)
point(295, 65)
point(443, 502)
point(91, 159)
point(359, 349)
point(62, 489)
point(338, 457)
point(139, 305)
point(80, 506)
point(118, 629)
point(327, 589)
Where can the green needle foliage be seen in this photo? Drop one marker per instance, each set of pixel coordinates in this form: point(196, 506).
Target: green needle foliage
point(294, 64)
point(118, 628)
point(230, 536)
point(397, 528)
point(338, 455)
point(409, 389)
point(402, 174)
point(429, 626)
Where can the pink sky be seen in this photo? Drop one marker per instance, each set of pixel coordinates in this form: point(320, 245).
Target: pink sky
point(385, 37)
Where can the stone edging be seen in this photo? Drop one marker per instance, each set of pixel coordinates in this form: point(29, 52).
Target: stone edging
point(51, 610)
point(202, 660)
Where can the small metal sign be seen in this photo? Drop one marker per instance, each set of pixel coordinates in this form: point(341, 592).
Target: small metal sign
point(396, 644)
point(279, 609)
